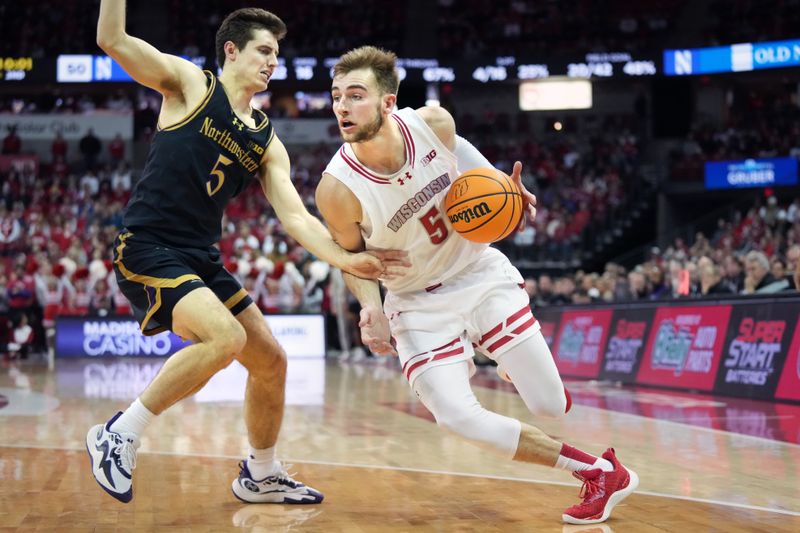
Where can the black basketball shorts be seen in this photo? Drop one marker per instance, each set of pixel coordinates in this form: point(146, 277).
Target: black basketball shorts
point(154, 277)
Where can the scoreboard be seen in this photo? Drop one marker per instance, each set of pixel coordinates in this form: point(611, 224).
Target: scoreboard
point(87, 68)
point(26, 68)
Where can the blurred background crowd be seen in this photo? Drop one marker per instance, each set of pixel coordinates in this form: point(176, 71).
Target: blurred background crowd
point(622, 213)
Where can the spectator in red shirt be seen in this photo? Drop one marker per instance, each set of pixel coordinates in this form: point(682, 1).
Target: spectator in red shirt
point(59, 148)
point(12, 144)
point(116, 149)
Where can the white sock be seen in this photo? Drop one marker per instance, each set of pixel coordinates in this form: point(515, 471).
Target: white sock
point(603, 464)
point(262, 463)
point(134, 419)
point(575, 460)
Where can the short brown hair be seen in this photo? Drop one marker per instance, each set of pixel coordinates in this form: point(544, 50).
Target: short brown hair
point(238, 28)
point(381, 62)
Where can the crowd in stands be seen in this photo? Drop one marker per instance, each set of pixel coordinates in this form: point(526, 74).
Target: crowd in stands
point(47, 28)
point(314, 28)
point(583, 181)
point(56, 101)
point(57, 225)
point(738, 21)
point(757, 252)
point(757, 124)
point(463, 28)
point(490, 28)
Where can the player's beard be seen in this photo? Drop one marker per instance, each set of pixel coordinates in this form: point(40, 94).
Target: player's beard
point(368, 132)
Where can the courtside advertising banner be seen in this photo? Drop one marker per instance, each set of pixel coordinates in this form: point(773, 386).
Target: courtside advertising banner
point(299, 335)
point(684, 347)
point(789, 384)
point(111, 337)
point(623, 353)
point(580, 342)
point(755, 349)
point(548, 321)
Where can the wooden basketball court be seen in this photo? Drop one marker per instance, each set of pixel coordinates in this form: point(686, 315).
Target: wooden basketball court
point(357, 433)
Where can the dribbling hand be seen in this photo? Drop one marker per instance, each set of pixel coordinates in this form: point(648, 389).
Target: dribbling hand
point(528, 198)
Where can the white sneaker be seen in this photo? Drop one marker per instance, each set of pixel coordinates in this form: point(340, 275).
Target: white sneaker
point(278, 488)
point(113, 457)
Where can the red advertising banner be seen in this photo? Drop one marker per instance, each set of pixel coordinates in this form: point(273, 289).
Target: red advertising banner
point(684, 347)
point(580, 342)
point(548, 331)
point(789, 385)
point(548, 320)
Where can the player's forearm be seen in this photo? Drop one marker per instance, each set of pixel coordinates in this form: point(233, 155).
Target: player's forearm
point(315, 237)
point(110, 23)
point(366, 291)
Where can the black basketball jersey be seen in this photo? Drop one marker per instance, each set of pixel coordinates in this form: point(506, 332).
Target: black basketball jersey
point(193, 170)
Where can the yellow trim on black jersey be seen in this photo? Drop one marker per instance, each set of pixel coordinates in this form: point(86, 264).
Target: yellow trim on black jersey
point(269, 141)
point(197, 108)
point(150, 281)
point(263, 122)
point(231, 302)
point(152, 308)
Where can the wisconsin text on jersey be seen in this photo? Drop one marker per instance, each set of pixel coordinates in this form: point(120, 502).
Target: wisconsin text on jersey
point(418, 201)
point(224, 139)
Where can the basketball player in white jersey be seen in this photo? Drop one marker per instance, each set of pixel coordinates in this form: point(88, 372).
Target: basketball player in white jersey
point(384, 189)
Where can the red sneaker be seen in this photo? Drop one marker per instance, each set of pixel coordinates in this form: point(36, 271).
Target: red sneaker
point(601, 491)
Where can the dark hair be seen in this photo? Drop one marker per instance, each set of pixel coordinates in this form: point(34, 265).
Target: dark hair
point(238, 28)
point(381, 62)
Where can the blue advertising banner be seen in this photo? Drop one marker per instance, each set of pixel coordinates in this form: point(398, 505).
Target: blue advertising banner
point(96, 337)
point(301, 336)
point(741, 57)
point(86, 68)
point(750, 173)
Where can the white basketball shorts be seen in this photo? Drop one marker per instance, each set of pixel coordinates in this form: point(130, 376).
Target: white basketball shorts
point(484, 306)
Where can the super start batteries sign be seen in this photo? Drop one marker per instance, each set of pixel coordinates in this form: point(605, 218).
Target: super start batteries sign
point(755, 349)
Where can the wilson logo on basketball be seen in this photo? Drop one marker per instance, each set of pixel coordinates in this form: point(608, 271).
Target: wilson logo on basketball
point(471, 213)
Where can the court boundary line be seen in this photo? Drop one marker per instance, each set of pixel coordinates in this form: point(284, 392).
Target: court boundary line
point(661, 420)
point(435, 472)
point(730, 434)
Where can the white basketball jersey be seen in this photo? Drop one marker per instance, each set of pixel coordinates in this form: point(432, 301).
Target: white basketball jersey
point(404, 211)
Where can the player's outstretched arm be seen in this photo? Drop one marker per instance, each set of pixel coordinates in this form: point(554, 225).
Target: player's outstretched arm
point(164, 73)
point(309, 231)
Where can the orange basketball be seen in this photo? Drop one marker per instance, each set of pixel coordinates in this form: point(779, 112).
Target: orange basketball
point(483, 205)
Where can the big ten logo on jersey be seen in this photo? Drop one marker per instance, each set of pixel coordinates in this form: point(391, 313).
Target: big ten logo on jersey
point(425, 161)
point(255, 147)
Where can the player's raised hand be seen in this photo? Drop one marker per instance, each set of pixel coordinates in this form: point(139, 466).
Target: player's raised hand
point(528, 198)
point(375, 332)
point(383, 264)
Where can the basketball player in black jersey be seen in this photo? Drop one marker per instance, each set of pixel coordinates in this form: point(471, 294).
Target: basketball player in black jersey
point(209, 144)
